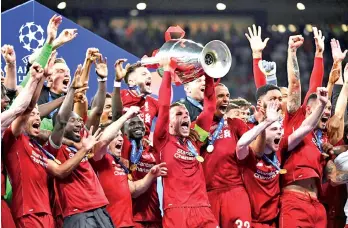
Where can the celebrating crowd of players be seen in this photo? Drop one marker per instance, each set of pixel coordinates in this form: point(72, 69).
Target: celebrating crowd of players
point(224, 163)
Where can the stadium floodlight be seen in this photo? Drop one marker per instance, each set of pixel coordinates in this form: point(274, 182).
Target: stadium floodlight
point(61, 5)
point(220, 6)
point(141, 6)
point(281, 28)
point(292, 28)
point(300, 6)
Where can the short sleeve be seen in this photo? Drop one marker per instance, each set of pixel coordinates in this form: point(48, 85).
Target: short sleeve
point(51, 147)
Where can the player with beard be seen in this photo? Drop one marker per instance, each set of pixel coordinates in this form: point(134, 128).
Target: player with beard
point(304, 165)
point(112, 171)
point(142, 159)
point(137, 148)
point(225, 181)
point(194, 97)
point(260, 170)
point(28, 164)
point(76, 190)
point(138, 79)
point(264, 95)
point(185, 202)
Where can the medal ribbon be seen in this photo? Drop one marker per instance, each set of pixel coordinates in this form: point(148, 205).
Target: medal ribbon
point(136, 155)
point(48, 154)
point(217, 131)
point(318, 140)
point(195, 103)
point(136, 88)
point(118, 161)
point(274, 163)
point(192, 148)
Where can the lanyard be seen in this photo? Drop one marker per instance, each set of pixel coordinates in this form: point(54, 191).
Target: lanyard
point(48, 154)
point(136, 154)
point(118, 161)
point(318, 139)
point(216, 133)
point(195, 103)
point(192, 149)
point(274, 163)
point(136, 88)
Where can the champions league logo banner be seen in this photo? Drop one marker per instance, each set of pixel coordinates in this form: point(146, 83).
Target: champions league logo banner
point(24, 27)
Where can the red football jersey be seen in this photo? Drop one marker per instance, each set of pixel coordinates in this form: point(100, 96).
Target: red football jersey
point(115, 184)
point(220, 167)
point(81, 190)
point(3, 178)
point(305, 161)
point(148, 106)
point(261, 181)
point(26, 166)
point(145, 206)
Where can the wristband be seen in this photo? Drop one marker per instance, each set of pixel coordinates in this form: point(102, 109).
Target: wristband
point(102, 79)
point(117, 84)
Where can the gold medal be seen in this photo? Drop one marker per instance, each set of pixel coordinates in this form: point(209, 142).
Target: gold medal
point(200, 158)
point(57, 161)
point(283, 171)
point(130, 177)
point(133, 167)
point(89, 155)
point(210, 148)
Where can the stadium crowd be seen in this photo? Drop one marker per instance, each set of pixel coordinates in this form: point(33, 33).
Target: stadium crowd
point(224, 162)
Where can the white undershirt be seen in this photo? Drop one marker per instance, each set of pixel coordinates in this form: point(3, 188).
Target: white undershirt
point(341, 163)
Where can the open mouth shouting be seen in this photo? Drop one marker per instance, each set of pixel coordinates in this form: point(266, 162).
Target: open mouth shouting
point(185, 127)
point(118, 146)
point(277, 141)
point(223, 108)
point(36, 127)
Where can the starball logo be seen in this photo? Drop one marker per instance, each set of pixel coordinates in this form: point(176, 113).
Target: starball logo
point(31, 37)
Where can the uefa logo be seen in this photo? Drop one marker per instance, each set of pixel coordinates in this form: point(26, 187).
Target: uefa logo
point(31, 36)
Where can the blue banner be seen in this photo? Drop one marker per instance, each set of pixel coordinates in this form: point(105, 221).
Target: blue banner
point(24, 27)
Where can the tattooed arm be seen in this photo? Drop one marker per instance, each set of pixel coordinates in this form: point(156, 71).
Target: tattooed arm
point(335, 176)
point(294, 94)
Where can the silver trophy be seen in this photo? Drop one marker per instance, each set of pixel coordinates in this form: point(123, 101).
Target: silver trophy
point(194, 60)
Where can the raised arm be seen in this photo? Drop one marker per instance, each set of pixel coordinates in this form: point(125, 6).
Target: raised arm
point(311, 121)
point(9, 56)
point(23, 100)
point(111, 132)
point(117, 105)
point(64, 37)
point(91, 55)
point(205, 119)
point(165, 93)
point(99, 99)
point(141, 186)
point(317, 75)
point(257, 46)
point(294, 93)
point(63, 170)
point(242, 148)
point(65, 110)
point(335, 125)
point(47, 108)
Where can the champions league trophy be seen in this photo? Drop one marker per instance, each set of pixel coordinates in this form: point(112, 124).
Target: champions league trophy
point(193, 60)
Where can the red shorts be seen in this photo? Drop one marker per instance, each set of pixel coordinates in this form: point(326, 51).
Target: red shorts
point(148, 224)
point(6, 216)
point(39, 220)
point(223, 204)
point(300, 210)
point(189, 217)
